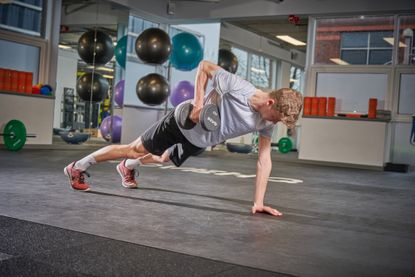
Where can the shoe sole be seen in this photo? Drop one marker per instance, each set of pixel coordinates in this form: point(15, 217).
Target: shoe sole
point(65, 171)
point(122, 178)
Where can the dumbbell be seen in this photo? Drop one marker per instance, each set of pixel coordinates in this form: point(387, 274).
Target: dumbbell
point(209, 117)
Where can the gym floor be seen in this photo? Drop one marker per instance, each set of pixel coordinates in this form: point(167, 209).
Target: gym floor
point(196, 221)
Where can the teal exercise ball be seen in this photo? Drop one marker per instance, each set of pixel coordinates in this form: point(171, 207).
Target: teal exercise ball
point(121, 51)
point(187, 52)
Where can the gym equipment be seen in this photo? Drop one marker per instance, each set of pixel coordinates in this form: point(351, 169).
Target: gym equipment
point(14, 135)
point(285, 145)
point(46, 90)
point(209, 117)
point(119, 93)
point(182, 92)
point(121, 50)
point(153, 46)
point(153, 89)
point(99, 88)
point(227, 60)
point(239, 148)
point(105, 128)
point(95, 43)
point(187, 52)
point(74, 138)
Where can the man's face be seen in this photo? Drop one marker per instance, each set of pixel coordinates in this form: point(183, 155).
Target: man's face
point(271, 114)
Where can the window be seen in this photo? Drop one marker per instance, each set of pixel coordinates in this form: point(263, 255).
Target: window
point(406, 105)
point(24, 16)
point(356, 40)
point(296, 78)
point(242, 62)
point(366, 47)
point(406, 39)
point(260, 71)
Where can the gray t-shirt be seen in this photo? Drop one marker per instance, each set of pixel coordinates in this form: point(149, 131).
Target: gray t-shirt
point(231, 93)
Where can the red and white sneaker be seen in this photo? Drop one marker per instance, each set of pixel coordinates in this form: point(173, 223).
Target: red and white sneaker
point(127, 175)
point(76, 177)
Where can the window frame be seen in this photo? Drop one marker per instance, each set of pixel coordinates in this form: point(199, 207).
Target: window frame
point(32, 41)
point(42, 9)
point(367, 49)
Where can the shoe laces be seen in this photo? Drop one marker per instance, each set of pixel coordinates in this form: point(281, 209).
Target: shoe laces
point(80, 176)
point(130, 176)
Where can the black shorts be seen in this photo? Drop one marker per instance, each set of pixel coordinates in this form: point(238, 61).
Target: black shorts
point(165, 134)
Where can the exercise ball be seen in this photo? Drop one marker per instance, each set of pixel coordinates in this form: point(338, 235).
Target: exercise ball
point(182, 92)
point(228, 61)
point(105, 128)
point(119, 93)
point(121, 51)
point(153, 89)
point(187, 52)
point(99, 89)
point(153, 46)
point(102, 47)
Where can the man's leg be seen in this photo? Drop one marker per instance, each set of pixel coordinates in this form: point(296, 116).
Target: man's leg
point(76, 170)
point(127, 168)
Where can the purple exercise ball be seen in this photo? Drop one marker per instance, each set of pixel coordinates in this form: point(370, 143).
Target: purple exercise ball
point(182, 92)
point(116, 128)
point(119, 93)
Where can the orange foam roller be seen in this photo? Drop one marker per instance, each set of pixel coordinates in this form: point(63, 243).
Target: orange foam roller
point(307, 106)
point(331, 106)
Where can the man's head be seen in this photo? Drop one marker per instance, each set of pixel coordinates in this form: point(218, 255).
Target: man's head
point(288, 104)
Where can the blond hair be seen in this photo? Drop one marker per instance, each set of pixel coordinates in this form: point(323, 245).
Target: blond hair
point(289, 103)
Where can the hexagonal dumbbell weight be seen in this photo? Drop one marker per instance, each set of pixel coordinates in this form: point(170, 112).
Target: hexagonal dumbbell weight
point(209, 117)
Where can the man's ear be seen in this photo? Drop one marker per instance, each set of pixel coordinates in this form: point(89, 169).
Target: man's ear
point(271, 102)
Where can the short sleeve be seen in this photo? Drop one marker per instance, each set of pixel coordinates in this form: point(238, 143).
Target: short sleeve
point(225, 82)
point(267, 131)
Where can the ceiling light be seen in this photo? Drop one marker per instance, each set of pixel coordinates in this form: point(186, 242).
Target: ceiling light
point(102, 68)
point(339, 61)
point(291, 40)
point(257, 70)
point(62, 46)
point(108, 76)
point(391, 41)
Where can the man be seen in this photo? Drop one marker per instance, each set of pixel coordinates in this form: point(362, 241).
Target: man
point(243, 109)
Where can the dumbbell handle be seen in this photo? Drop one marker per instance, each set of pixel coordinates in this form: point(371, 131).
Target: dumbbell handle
point(12, 135)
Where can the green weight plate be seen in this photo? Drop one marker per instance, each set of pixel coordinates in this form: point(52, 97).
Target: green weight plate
point(14, 135)
point(285, 145)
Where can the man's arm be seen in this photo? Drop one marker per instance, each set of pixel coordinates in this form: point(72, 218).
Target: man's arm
point(263, 170)
point(205, 71)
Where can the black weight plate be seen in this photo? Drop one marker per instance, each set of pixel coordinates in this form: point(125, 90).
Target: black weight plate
point(183, 114)
point(209, 117)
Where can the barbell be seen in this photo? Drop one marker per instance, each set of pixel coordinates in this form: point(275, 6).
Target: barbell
point(14, 135)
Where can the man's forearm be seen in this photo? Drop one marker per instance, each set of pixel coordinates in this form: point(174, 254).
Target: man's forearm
point(262, 175)
point(200, 85)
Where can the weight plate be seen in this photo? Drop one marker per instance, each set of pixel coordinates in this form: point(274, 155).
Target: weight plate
point(209, 117)
point(285, 145)
point(14, 135)
point(183, 119)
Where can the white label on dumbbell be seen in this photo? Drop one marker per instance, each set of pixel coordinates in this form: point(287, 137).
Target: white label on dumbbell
point(212, 121)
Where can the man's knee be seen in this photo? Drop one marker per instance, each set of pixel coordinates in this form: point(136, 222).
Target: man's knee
point(165, 157)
